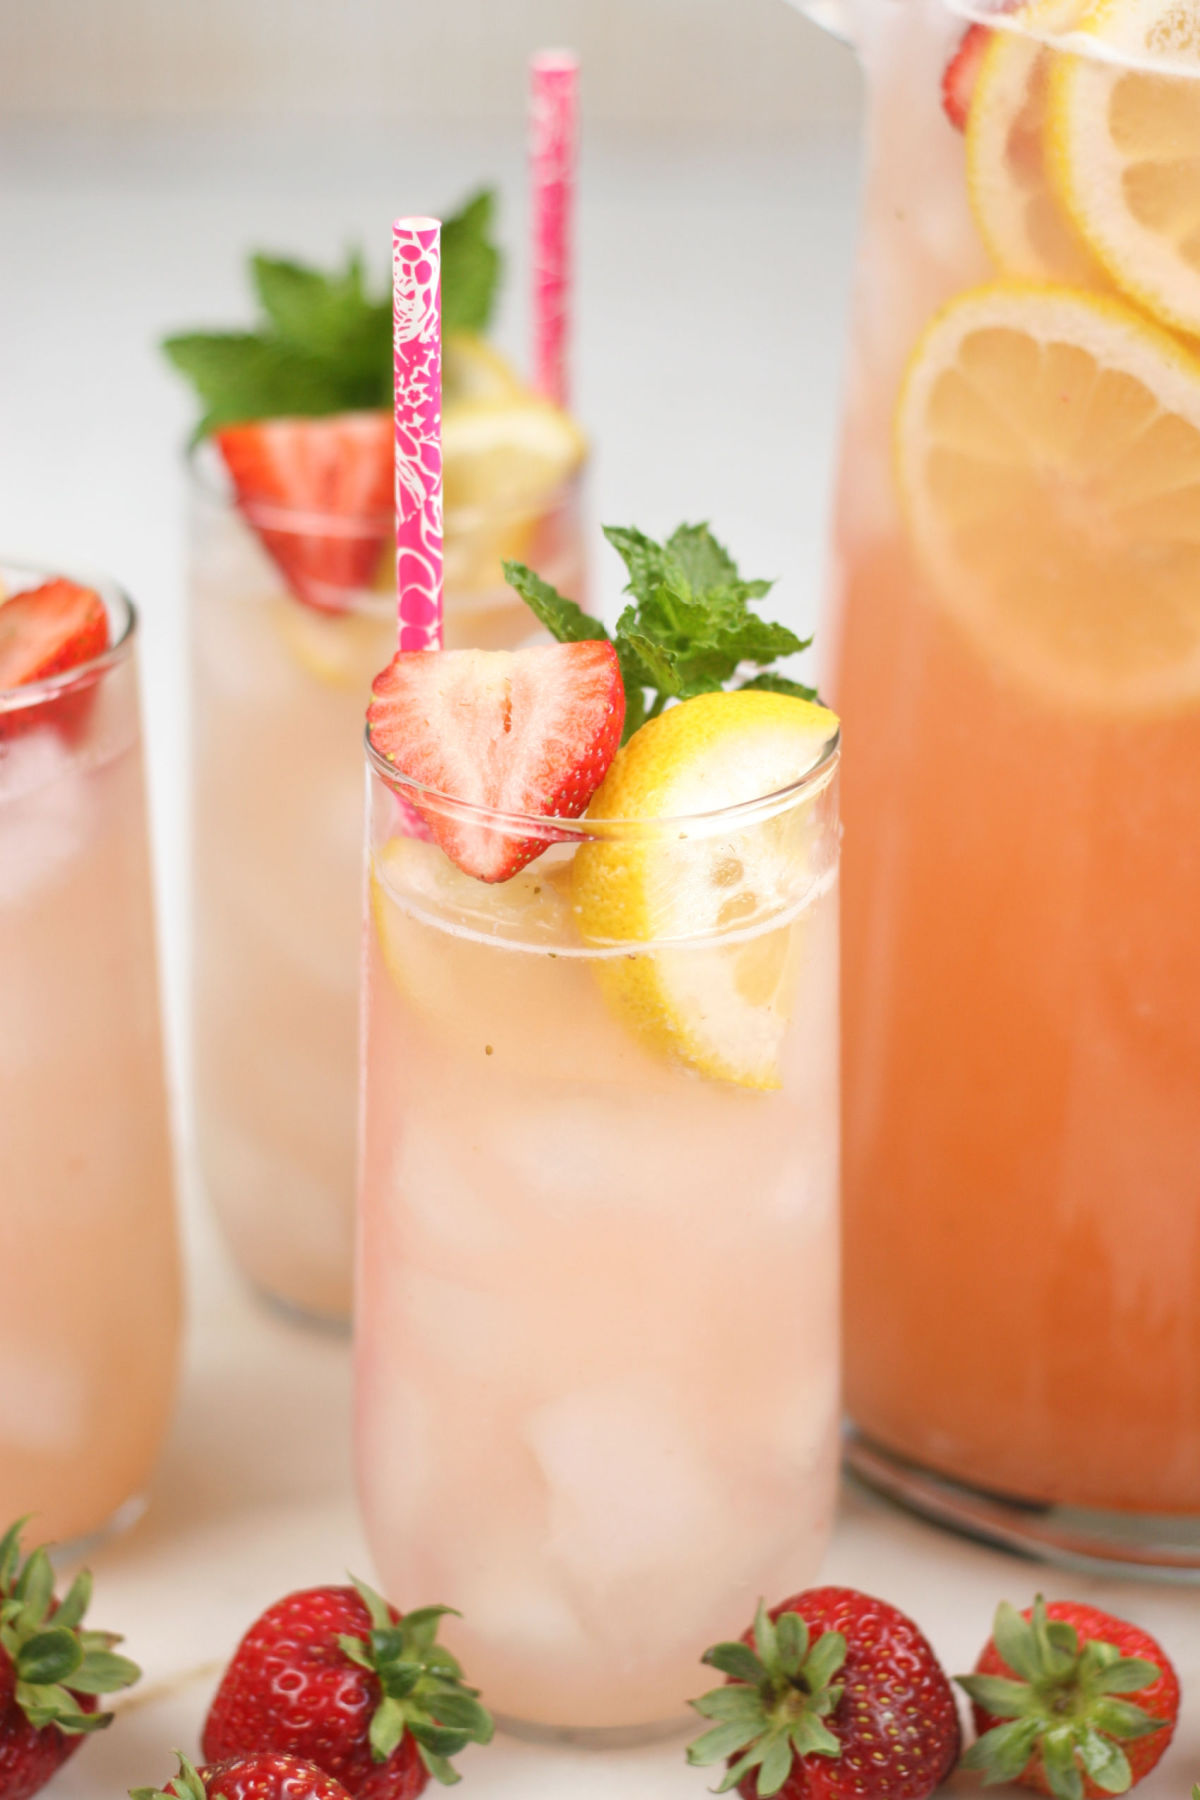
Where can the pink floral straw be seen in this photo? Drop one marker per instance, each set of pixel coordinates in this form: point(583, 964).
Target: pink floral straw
point(554, 111)
point(417, 344)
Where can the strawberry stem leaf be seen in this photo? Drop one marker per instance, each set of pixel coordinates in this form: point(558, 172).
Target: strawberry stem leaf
point(1060, 1704)
point(773, 1708)
point(421, 1687)
point(54, 1659)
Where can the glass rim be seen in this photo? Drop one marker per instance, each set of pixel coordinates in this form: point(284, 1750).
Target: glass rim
point(734, 817)
point(123, 619)
point(275, 515)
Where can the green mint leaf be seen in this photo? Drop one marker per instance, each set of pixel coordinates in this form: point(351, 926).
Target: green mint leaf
point(325, 341)
point(735, 1660)
point(471, 265)
point(648, 564)
point(779, 684)
point(240, 376)
point(566, 622)
point(650, 664)
point(704, 562)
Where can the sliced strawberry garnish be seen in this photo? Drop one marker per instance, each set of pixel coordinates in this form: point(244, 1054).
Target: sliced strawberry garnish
point(334, 468)
point(525, 731)
point(49, 629)
point(958, 78)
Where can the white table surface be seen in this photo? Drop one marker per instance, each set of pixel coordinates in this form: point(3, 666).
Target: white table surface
point(714, 284)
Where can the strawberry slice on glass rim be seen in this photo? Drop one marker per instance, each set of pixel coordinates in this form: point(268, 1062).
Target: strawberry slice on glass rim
point(527, 732)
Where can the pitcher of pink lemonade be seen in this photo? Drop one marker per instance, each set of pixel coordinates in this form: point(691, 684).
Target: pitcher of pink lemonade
point(1017, 556)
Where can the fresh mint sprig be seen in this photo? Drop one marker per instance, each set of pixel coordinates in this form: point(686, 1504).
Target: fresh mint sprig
point(324, 342)
point(688, 629)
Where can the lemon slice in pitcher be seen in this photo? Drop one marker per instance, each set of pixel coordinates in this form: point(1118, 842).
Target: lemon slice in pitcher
point(719, 906)
point(1125, 149)
point(1019, 215)
point(1048, 444)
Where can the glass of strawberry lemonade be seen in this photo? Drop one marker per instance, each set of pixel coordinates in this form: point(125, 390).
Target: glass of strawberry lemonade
point(89, 1287)
point(1018, 554)
point(293, 610)
point(597, 1368)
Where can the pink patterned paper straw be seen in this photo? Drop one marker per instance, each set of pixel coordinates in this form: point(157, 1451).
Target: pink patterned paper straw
point(417, 348)
point(553, 135)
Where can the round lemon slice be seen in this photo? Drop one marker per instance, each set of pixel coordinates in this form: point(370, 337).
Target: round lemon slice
point(1019, 216)
point(1048, 445)
point(1125, 152)
point(720, 907)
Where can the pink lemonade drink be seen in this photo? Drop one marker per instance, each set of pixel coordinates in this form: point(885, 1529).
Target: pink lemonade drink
point(277, 686)
point(597, 1371)
point(89, 1281)
point(1019, 569)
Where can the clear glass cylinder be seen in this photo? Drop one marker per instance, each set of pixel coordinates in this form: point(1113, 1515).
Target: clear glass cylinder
point(278, 689)
point(89, 1277)
point(596, 1329)
point(1016, 558)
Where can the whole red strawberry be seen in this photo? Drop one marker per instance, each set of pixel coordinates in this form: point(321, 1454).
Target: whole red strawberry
point(263, 1775)
point(831, 1696)
point(51, 1671)
point(337, 1677)
point(1069, 1700)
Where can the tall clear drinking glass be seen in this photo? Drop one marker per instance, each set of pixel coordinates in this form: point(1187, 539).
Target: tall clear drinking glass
point(89, 1279)
point(277, 698)
point(597, 1340)
point(1018, 573)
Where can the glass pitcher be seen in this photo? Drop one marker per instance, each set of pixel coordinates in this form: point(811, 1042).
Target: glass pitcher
point(1018, 590)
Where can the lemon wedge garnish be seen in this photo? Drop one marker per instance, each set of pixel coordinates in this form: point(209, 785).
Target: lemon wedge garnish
point(340, 650)
point(718, 905)
point(503, 459)
point(1125, 153)
point(473, 369)
point(1048, 445)
point(1017, 211)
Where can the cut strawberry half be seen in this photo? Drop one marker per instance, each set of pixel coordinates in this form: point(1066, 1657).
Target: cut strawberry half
point(334, 472)
point(47, 630)
point(525, 731)
point(959, 76)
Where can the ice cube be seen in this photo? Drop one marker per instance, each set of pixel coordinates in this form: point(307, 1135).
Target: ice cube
point(451, 1202)
point(44, 811)
point(629, 1488)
